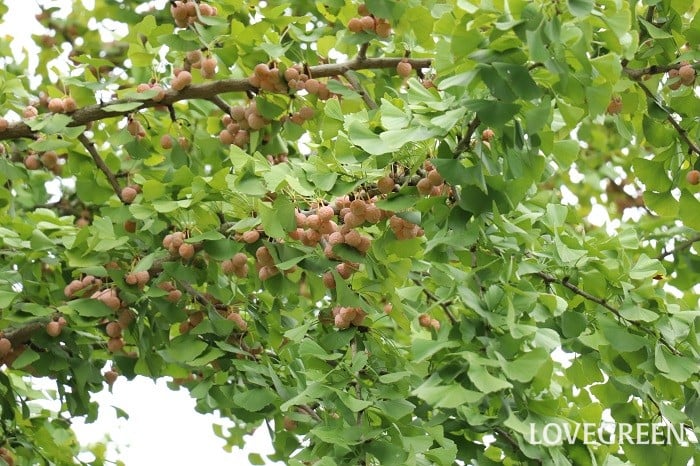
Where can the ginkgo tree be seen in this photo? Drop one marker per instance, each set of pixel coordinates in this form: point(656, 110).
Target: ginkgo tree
point(366, 226)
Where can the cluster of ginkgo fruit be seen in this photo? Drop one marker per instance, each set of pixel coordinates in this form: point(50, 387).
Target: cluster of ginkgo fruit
point(49, 159)
point(367, 22)
point(184, 12)
point(176, 245)
point(684, 75)
point(344, 317)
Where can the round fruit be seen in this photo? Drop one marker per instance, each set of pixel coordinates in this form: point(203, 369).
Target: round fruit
point(240, 259)
point(693, 177)
point(687, 74)
point(182, 80)
point(355, 25)
point(487, 135)
point(166, 142)
point(385, 185)
point(131, 279)
point(113, 329)
point(4, 124)
point(56, 105)
point(128, 194)
point(32, 162)
point(115, 344)
point(404, 69)
point(250, 236)
point(209, 67)
point(186, 251)
point(69, 104)
point(367, 23)
point(312, 86)
point(5, 347)
point(174, 296)
point(111, 377)
point(53, 328)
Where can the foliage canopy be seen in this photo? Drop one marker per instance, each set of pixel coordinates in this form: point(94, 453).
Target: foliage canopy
point(373, 225)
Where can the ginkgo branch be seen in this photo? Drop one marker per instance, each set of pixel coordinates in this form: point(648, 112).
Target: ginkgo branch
point(99, 161)
point(205, 91)
point(602, 302)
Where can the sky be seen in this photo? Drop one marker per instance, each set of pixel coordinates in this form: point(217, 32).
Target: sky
point(163, 427)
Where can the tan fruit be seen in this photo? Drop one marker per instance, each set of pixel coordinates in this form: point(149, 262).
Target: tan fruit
point(4, 124)
point(358, 207)
point(174, 296)
point(306, 113)
point(113, 329)
point(435, 178)
point(5, 347)
point(250, 236)
point(693, 177)
point(30, 112)
point(196, 318)
point(131, 279)
point(160, 95)
point(687, 74)
point(53, 328)
point(130, 226)
point(312, 86)
point(615, 106)
point(56, 105)
point(32, 162)
point(209, 67)
point(385, 185)
point(487, 135)
point(383, 28)
point(142, 277)
point(115, 344)
point(128, 194)
point(328, 280)
point(355, 25)
point(424, 320)
point(228, 267)
point(424, 186)
point(291, 74)
point(69, 104)
point(367, 23)
point(404, 69)
point(238, 320)
point(240, 259)
point(186, 251)
point(182, 80)
point(125, 317)
point(388, 307)
point(111, 377)
point(289, 424)
point(49, 159)
point(226, 138)
point(434, 323)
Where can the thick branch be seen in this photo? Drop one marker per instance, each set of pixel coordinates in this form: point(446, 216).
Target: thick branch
point(22, 334)
point(90, 147)
point(206, 91)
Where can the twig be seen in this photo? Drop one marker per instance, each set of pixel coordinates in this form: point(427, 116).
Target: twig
point(510, 440)
point(219, 102)
point(464, 143)
point(101, 111)
point(360, 90)
point(548, 279)
point(638, 73)
point(308, 410)
point(90, 147)
point(199, 297)
point(171, 112)
point(679, 247)
point(445, 305)
point(362, 53)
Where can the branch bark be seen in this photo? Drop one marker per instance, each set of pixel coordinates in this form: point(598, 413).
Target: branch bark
point(99, 161)
point(206, 91)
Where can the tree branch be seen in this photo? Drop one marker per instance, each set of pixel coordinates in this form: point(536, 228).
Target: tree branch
point(360, 90)
point(602, 302)
point(679, 247)
point(445, 305)
point(206, 91)
point(464, 143)
point(219, 102)
point(90, 147)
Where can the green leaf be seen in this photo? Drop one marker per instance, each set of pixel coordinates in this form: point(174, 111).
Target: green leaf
point(255, 399)
point(646, 267)
point(90, 307)
point(184, 349)
point(447, 396)
point(580, 8)
point(485, 382)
